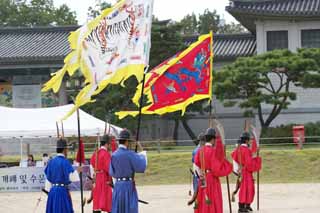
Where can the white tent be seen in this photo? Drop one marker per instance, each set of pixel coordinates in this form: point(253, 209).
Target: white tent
point(41, 122)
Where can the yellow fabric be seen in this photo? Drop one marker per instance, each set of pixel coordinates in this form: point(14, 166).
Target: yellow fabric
point(160, 70)
point(74, 62)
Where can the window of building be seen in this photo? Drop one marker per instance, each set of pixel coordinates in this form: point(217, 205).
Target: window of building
point(310, 38)
point(277, 40)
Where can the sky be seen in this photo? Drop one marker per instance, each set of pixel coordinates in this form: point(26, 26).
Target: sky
point(163, 9)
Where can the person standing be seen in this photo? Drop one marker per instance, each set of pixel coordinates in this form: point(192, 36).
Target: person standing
point(99, 165)
point(198, 142)
point(60, 173)
point(247, 164)
point(124, 164)
point(211, 164)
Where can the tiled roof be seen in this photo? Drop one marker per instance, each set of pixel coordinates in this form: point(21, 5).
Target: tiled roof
point(247, 12)
point(276, 7)
point(232, 46)
point(49, 45)
point(40, 45)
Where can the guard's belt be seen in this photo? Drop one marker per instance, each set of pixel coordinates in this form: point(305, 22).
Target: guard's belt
point(59, 184)
point(124, 179)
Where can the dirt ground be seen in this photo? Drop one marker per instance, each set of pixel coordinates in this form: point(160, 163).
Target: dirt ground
point(281, 198)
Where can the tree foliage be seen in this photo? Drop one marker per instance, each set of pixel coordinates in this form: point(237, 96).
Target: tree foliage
point(264, 82)
point(95, 11)
point(208, 21)
point(34, 13)
point(231, 28)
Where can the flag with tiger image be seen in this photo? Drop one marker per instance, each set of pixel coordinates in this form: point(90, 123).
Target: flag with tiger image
point(108, 50)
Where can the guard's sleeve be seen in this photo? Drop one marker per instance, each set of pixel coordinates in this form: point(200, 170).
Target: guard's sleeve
point(138, 162)
point(70, 172)
point(221, 169)
point(197, 158)
point(47, 186)
point(219, 150)
point(111, 169)
point(251, 164)
point(74, 176)
point(254, 146)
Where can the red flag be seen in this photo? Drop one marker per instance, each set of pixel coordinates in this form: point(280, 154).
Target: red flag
point(114, 145)
point(179, 81)
point(80, 150)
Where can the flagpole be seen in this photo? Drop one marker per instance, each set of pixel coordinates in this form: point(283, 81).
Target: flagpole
point(140, 108)
point(80, 163)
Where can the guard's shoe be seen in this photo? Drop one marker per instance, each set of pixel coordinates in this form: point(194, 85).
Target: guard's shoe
point(242, 208)
point(248, 207)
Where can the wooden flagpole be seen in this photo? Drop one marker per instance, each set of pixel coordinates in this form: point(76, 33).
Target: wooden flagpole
point(140, 109)
point(80, 163)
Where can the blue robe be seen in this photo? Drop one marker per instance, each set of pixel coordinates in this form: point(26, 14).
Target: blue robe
point(195, 178)
point(57, 172)
point(124, 163)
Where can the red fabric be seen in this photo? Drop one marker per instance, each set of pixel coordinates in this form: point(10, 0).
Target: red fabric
point(217, 168)
point(114, 145)
point(189, 77)
point(80, 150)
point(254, 146)
point(243, 156)
point(102, 191)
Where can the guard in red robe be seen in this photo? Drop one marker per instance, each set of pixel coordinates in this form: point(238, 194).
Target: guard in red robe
point(247, 164)
point(102, 188)
point(211, 164)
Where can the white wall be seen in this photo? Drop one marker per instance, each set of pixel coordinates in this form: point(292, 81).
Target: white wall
point(305, 97)
point(294, 32)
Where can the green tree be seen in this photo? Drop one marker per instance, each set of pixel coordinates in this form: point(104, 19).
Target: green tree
point(264, 80)
point(95, 11)
point(311, 79)
point(189, 24)
point(34, 13)
point(208, 21)
point(231, 28)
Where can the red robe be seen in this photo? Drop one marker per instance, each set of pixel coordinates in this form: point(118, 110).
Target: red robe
point(216, 166)
point(243, 156)
point(102, 191)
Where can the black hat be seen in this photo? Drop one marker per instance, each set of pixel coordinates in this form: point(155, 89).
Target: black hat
point(125, 135)
point(62, 143)
point(105, 139)
point(245, 136)
point(210, 132)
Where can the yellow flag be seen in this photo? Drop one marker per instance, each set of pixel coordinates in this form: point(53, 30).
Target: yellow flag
point(109, 49)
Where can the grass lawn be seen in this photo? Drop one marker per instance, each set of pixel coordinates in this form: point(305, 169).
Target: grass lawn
point(279, 166)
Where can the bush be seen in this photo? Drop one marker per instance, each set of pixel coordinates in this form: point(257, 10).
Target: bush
point(311, 129)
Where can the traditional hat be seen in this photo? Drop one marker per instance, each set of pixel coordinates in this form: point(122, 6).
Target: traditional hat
point(245, 136)
point(125, 135)
point(62, 143)
point(106, 139)
point(210, 134)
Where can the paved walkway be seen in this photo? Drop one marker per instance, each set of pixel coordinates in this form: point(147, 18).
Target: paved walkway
point(280, 198)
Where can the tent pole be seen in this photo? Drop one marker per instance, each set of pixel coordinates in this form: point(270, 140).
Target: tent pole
point(21, 152)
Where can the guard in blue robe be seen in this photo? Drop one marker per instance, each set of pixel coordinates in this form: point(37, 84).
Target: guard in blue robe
point(59, 173)
point(198, 142)
point(124, 163)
